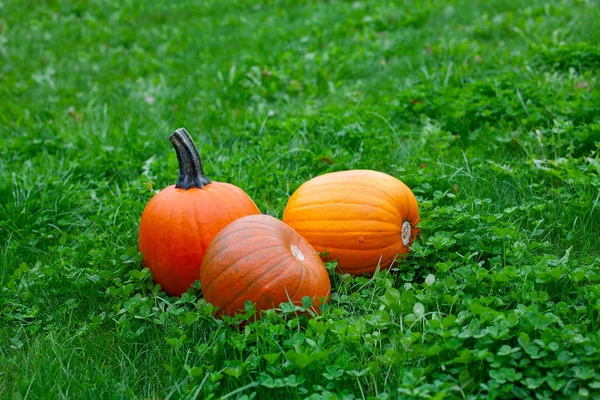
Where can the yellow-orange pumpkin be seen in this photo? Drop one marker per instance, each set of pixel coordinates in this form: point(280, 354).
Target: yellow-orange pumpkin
point(362, 218)
point(261, 259)
point(179, 223)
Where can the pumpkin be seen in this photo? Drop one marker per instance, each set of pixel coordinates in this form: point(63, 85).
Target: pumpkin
point(179, 222)
point(362, 218)
point(260, 259)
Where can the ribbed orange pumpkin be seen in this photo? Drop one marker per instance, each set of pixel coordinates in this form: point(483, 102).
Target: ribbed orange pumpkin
point(179, 223)
point(261, 259)
point(362, 218)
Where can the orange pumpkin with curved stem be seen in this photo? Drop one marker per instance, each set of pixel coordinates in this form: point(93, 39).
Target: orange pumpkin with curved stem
point(260, 259)
point(362, 218)
point(179, 223)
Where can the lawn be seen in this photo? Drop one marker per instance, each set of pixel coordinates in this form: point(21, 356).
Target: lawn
point(488, 110)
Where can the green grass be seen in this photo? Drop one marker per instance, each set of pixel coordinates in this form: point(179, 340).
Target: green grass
point(489, 111)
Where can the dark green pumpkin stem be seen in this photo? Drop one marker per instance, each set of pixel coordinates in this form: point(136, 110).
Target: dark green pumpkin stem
point(191, 171)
